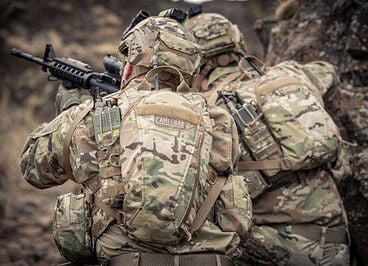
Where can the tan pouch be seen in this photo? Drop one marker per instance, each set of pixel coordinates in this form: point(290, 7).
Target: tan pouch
point(71, 228)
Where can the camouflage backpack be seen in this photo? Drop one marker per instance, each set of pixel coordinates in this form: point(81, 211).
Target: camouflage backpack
point(282, 121)
point(163, 164)
point(165, 145)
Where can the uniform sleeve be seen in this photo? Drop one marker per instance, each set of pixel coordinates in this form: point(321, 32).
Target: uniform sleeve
point(41, 161)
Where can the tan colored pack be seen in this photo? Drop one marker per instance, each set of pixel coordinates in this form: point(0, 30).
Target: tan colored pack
point(298, 133)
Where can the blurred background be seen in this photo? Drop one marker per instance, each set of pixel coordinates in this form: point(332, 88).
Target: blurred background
point(86, 30)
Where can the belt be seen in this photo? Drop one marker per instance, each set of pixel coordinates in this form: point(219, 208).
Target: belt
point(153, 259)
point(336, 234)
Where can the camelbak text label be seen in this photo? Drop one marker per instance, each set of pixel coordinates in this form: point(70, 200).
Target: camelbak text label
point(169, 122)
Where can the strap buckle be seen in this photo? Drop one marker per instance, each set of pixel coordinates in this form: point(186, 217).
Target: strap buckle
point(212, 176)
point(90, 196)
point(121, 217)
point(114, 159)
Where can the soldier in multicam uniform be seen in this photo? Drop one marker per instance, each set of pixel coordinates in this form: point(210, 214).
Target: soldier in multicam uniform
point(222, 46)
point(299, 218)
point(45, 163)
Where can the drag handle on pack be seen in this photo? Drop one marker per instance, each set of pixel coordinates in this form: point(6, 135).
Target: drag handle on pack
point(252, 64)
point(76, 74)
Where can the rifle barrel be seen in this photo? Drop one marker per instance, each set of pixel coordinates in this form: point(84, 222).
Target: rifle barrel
point(19, 53)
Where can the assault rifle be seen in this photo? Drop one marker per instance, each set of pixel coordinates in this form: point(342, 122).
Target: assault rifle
point(76, 74)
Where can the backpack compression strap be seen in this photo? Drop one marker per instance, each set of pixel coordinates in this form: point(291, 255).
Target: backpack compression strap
point(208, 204)
point(264, 165)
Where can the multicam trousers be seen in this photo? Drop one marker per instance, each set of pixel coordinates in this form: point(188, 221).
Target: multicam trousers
point(268, 246)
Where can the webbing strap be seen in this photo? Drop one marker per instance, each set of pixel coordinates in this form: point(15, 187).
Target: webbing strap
point(148, 259)
point(170, 112)
point(113, 191)
point(146, 84)
point(68, 139)
point(337, 234)
point(263, 165)
point(273, 85)
point(212, 95)
point(94, 199)
point(208, 203)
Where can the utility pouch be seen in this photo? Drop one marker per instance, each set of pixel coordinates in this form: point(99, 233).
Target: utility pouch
point(106, 120)
point(257, 185)
point(260, 142)
point(253, 132)
point(171, 50)
point(71, 228)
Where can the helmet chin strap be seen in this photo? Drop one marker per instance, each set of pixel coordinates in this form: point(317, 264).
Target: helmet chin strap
point(128, 69)
point(132, 72)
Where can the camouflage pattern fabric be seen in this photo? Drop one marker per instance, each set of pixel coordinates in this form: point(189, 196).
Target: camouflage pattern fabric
point(215, 34)
point(43, 169)
point(71, 228)
point(220, 42)
point(298, 197)
point(210, 239)
point(158, 41)
point(311, 123)
point(163, 136)
point(66, 98)
point(311, 181)
point(100, 168)
point(297, 119)
point(267, 246)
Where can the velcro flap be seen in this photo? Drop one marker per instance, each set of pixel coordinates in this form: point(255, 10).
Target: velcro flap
point(170, 112)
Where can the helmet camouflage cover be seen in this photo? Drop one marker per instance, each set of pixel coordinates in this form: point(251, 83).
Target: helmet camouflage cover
point(161, 41)
point(215, 34)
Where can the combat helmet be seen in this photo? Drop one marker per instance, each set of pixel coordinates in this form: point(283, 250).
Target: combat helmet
point(220, 40)
point(154, 41)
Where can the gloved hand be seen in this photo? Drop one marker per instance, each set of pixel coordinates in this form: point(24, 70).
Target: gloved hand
point(66, 98)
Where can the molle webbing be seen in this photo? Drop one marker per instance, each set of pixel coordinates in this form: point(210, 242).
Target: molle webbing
point(92, 198)
point(147, 259)
point(68, 139)
point(170, 112)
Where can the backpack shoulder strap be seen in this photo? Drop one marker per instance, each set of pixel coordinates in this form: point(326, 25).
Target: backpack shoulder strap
point(68, 139)
point(146, 84)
